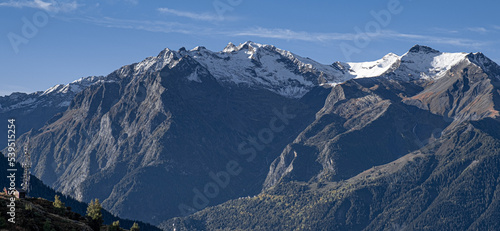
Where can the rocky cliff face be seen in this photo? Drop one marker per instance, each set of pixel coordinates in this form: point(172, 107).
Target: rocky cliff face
point(364, 123)
point(35, 109)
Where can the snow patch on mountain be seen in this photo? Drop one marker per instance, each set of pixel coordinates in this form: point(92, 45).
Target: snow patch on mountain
point(153, 64)
point(59, 95)
point(194, 77)
point(265, 66)
point(253, 65)
point(73, 87)
point(420, 62)
point(374, 68)
point(426, 63)
point(56, 88)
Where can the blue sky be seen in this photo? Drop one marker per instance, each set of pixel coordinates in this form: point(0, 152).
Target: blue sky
point(48, 42)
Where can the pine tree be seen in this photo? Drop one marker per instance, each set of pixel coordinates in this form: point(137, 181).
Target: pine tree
point(95, 214)
point(135, 227)
point(59, 205)
point(115, 226)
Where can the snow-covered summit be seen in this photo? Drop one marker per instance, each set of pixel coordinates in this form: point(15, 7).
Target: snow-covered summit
point(426, 63)
point(422, 62)
point(75, 86)
point(151, 64)
point(251, 64)
point(372, 69)
point(288, 74)
point(58, 96)
point(265, 67)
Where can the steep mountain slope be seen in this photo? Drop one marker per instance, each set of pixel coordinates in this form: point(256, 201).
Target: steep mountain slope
point(39, 214)
point(33, 110)
point(370, 110)
point(470, 91)
point(450, 184)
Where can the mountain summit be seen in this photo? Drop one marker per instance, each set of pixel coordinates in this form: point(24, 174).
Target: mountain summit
point(422, 49)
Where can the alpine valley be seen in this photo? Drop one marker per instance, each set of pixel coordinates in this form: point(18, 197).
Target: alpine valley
point(258, 138)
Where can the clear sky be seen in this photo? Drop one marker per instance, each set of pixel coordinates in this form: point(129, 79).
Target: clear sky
point(48, 42)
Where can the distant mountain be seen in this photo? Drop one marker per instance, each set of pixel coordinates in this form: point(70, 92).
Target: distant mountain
point(33, 110)
point(188, 129)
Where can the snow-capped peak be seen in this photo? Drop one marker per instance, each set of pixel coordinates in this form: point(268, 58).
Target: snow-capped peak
point(250, 44)
point(157, 63)
point(230, 48)
point(59, 95)
point(420, 62)
point(75, 86)
point(253, 65)
point(265, 66)
point(422, 49)
point(423, 62)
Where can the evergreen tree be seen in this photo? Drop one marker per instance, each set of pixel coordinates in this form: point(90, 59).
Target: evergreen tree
point(95, 214)
point(115, 226)
point(59, 205)
point(135, 227)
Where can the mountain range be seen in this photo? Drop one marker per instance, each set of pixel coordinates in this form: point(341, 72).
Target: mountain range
point(276, 141)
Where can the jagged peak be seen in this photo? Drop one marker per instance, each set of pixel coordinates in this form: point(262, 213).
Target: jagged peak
point(390, 55)
point(422, 49)
point(75, 86)
point(484, 63)
point(199, 48)
point(419, 62)
point(252, 46)
point(478, 56)
point(230, 48)
point(164, 51)
point(88, 79)
point(249, 44)
point(166, 54)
